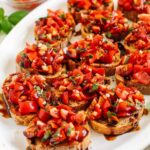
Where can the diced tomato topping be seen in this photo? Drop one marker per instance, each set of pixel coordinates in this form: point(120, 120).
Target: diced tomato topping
point(82, 133)
point(100, 71)
point(142, 77)
point(40, 133)
point(96, 29)
point(137, 68)
point(123, 94)
point(105, 106)
point(27, 107)
point(124, 109)
point(64, 113)
point(107, 58)
point(65, 97)
point(43, 115)
point(54, 112)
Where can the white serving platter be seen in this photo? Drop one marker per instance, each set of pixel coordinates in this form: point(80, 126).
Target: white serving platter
point(11, 136)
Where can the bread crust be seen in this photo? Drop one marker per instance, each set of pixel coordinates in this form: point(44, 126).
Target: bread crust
point(145, 89)
point(124, 125)
point(74, 146)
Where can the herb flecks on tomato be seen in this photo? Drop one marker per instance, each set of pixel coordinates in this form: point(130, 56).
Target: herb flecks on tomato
point(67, 126)
point(113, 105)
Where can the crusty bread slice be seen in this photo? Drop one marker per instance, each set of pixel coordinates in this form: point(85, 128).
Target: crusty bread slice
point(79, 14)
point(144, 89)
point(124, 125)
point(30, 70)
point(37, 145)
point(21, 120)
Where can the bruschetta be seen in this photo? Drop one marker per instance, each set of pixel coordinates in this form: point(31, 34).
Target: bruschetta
point(58, 128)
point(24, 95)
point(139, 38)
point(113, 24)
point(41, 59)
point(135, 71)
point(78, 87)
point(96, 51)
point(79, 8)
point(132, 8)
point(55, 29)
point(116, 112)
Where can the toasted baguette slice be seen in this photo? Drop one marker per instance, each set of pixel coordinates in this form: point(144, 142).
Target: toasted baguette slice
point(124, 125)
point(139, 34)
point(22, 106)
point(145, 89)
point(134, 9)
point(22, 58)
point(114, 113)
point(79, 12)
point(55, 29)
point(66, 129)
point(99, 55)
point(37, 145)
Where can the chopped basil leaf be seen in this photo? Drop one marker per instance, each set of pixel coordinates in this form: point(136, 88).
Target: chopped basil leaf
point(6, 26)
point(1, 13)
point(110, 114)
point(22, 64)
point(69, 131)
point(39, 90)
point(95, 87)
point(104, 19)
point(55, 49)
point(71, 78)
point(15, 17)
point(90, 56)
point(62, 16)
point(23, 55)
point(108, 34)
point(56, 134)
point(46, 136)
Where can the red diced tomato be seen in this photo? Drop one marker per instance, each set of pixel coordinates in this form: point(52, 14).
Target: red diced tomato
point(100, 71)
point(96, 29)
point(41, 102)
point(142, 77)
point(137, 68)
point(28, 107)
point(32, 55)
point(65, 97)
point(43, 115)
point(40, 133)
point(62, 106)
point(106, 104)
point(107, 58)
point(147, 70)
point(121, 92)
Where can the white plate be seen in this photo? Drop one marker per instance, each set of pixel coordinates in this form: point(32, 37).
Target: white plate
point(11, 137)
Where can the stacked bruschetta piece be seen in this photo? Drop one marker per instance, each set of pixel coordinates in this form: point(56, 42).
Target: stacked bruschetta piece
point(62, 87)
